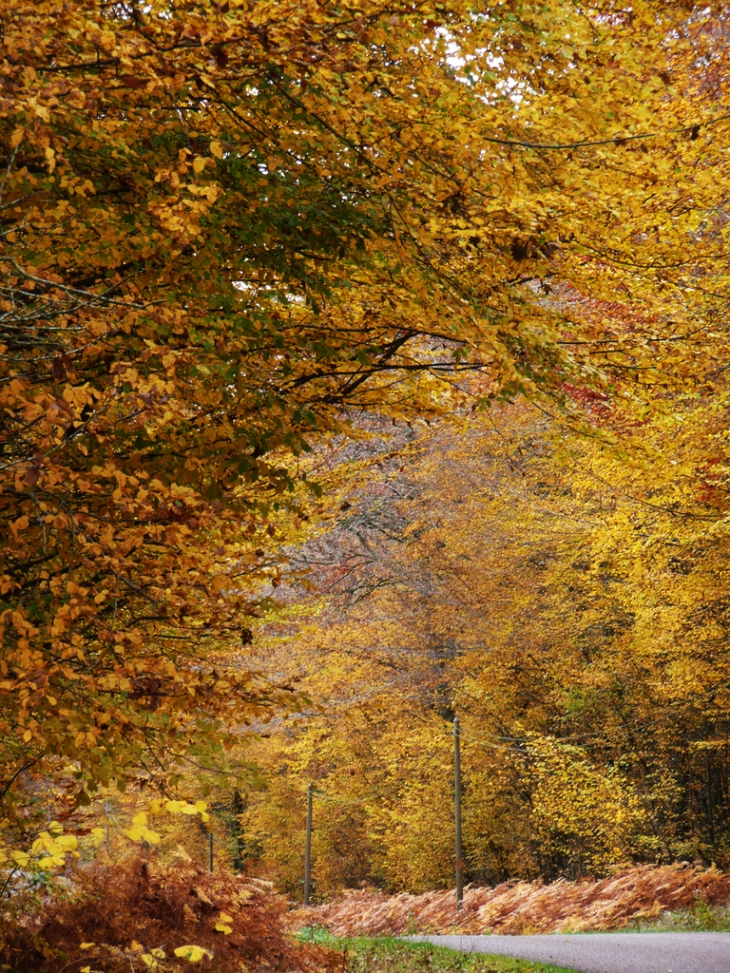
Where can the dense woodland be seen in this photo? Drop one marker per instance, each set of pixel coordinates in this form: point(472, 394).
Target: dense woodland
point(362, 365)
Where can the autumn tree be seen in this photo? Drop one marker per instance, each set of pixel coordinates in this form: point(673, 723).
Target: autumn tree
point(562, 595)
point(226, 230)
point(559, 583)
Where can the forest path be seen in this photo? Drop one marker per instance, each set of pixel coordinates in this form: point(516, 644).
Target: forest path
point(622, 952)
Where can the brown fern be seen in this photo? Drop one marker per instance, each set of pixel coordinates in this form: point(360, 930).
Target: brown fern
point(525, 907)
point(142, 906)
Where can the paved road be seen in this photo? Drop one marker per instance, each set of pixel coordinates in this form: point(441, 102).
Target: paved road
point(623, 952)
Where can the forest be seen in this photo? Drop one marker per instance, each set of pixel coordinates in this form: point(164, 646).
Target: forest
point(362, 367)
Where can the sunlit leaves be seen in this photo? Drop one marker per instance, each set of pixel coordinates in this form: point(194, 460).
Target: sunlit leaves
point(193, 954)
point(213, 259)
point(140, 832)
point(48, 852)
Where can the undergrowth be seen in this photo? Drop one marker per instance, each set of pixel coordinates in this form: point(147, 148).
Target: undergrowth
point(641, 894)
point(145, 916)
point(388, 955)
point(700, 917)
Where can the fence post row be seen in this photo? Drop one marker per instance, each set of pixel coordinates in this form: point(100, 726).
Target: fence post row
point(459, 855)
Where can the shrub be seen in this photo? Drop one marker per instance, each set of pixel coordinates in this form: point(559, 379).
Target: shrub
point(144, 915)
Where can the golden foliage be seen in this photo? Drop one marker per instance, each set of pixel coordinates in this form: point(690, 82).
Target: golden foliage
point(568, 603)
point(228, 230)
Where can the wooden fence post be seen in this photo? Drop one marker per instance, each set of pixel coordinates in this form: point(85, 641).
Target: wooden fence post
point(457, 817)
point(308, 848)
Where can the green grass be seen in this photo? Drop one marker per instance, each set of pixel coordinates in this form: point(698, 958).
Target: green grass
point(388, 955)
point(701, 917)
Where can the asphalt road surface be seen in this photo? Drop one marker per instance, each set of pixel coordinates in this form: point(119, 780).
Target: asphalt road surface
point(624, 952)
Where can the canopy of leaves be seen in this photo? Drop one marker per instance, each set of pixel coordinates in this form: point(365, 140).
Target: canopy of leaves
point(228, 229)
point(567, 602)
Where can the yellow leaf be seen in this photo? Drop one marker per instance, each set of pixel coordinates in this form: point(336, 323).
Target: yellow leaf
point(142, 833)
point(68, 842)
point(217, 149)
point(198, 164)
point(193, 953)
point(174, 807)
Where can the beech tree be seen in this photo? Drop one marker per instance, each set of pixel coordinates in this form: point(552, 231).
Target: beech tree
point(565, 596)
point(225, 225)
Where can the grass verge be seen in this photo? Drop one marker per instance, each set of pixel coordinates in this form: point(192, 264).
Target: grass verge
point(701, 917)
point(388, 955)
